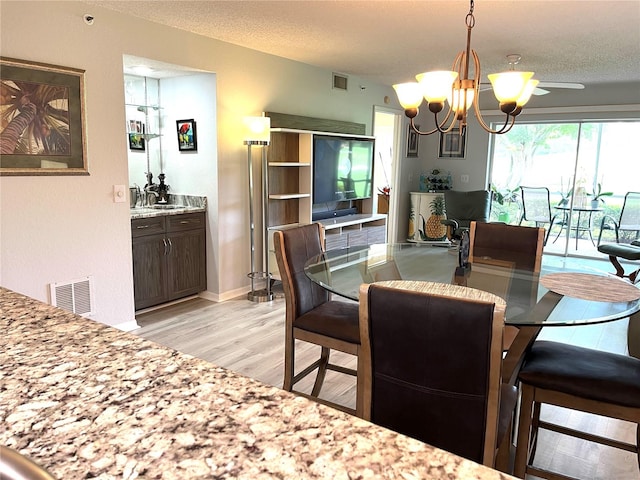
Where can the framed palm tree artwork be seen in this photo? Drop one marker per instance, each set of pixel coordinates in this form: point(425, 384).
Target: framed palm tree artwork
point(42, 125)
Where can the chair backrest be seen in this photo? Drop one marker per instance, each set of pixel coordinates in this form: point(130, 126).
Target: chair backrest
point(467, 206)
point(536, 204)
point(431, 358)
point(630, 214)
point(521, 246)
point(293, 247)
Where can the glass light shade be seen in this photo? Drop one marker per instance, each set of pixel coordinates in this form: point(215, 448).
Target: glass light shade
point(456, 99)
point(409, 94)
point(257, 129)
point(527, 92)
point(508, 86)
point(436, 86)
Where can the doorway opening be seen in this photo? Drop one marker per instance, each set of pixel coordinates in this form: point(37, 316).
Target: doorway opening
point(386, 128)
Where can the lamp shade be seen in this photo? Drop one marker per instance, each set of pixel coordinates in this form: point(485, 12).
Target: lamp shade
point(436, 86)
point(508, 86)
point(409, 94)
point(527, 92)
point(257, 129)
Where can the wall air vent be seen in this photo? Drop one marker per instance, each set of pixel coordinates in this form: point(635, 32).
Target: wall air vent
point(75, 296)
point(340, 81)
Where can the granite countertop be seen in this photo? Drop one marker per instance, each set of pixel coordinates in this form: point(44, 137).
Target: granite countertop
point(178, 205)
point(85, 400)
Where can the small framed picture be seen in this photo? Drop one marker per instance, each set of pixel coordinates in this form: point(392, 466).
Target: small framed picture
point(136, 142)
point(452, 144)
point(187, 136)
point(412, 141)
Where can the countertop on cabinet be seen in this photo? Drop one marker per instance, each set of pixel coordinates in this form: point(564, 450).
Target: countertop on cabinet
point(146, 212)
point(86, 400)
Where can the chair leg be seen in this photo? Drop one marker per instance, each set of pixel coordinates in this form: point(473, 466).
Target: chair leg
point(524, 429)
point(289, 362)
point(322, 370)
point(638, 443)
point(633, 336)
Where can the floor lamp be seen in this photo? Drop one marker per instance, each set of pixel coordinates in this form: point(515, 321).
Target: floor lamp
point(258, 133)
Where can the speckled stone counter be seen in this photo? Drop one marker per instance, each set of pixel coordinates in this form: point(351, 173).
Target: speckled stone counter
point(85, 400)
point(179, 204)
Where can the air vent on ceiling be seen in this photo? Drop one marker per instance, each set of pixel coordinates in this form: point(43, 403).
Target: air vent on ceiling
point(75, 296)
point(340, 81)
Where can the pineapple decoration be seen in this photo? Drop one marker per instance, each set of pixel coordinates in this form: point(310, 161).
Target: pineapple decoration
point(434, 228)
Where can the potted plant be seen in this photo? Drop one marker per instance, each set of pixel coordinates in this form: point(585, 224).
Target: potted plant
point(507, 196)
point(596, 196)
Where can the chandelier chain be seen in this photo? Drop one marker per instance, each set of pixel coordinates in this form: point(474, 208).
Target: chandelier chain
point(470, 20)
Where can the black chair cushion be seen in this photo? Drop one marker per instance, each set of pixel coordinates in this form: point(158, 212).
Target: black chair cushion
point(334, 318)
point(583, 372)
point(628, 252)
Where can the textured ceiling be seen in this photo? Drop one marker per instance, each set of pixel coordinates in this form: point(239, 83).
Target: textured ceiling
point(390, 41)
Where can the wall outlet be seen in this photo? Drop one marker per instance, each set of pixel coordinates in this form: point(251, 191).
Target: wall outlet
point(464, 178)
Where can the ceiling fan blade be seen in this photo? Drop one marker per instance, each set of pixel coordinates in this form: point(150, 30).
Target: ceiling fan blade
point(573, 86)
point(540, 91)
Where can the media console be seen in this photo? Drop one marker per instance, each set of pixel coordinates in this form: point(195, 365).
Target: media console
point(358, 229)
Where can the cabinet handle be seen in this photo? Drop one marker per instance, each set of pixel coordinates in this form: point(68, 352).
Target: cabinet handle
point(170, 245)
point(184, 222)
point(164, 242)
point(140, 227)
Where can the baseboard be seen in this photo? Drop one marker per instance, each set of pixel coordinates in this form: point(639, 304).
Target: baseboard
point(127, 326)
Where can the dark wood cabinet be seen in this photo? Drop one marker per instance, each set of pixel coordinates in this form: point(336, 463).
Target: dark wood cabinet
point(169, 258)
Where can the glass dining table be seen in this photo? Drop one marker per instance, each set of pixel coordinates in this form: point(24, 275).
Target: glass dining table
point(551, 297)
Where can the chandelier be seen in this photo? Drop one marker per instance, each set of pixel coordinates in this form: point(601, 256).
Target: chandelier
point(512, 89)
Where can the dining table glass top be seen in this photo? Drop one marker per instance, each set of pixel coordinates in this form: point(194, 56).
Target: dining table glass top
point(582, 296)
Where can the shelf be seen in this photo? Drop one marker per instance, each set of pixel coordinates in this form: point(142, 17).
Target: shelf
point(289, 164)
point(144, 108)
point(287, 196)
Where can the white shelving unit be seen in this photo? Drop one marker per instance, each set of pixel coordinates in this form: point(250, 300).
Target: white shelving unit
point(290, 161)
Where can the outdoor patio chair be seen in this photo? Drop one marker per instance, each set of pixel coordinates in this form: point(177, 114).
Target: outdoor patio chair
point(629, 219)
point(536, 207)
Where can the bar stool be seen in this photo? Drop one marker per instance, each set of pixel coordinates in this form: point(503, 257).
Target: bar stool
point(577, 378)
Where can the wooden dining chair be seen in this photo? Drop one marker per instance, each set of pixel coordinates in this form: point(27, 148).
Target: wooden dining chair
point(577, 378)
point(421, 377)
point(310, 314)
point(508, 246)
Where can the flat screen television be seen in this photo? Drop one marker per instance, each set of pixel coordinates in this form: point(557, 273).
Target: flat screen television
point(342, 168)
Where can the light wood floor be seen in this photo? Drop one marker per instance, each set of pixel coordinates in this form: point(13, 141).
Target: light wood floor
point(248, 338)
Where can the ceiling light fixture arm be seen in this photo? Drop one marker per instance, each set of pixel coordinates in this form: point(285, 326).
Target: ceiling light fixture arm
point(512, 90)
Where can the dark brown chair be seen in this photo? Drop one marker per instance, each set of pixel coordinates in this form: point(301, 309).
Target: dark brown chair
point(592, 381)
point(421, 377)
point(511, 246)
point(311, 315)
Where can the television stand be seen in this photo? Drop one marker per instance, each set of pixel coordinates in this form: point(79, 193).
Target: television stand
point(355, 229)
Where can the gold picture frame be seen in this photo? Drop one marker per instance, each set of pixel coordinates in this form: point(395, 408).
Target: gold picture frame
point(42, 113)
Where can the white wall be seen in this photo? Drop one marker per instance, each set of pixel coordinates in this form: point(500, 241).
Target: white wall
point(62, 228)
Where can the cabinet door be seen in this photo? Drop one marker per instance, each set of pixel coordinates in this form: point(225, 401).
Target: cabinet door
point(149, 270)
point(186, 267)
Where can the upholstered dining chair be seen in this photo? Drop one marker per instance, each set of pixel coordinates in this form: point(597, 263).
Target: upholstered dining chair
point(536, 207)
point(421, 377)
point(464, 207)
point(577, 378)
point(514, 246)
point(310, 314)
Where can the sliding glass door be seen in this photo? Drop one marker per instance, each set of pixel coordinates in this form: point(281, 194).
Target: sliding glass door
point(578, 162)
